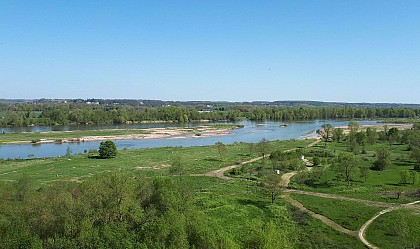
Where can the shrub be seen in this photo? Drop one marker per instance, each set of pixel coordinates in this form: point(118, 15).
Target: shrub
point(107, 149)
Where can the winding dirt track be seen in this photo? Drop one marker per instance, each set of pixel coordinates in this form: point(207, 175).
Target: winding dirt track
point(339, 197)
point(221, 172)
point(362, 230)
point(322, 218)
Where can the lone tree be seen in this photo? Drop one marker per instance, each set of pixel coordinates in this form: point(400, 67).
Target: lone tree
point(107, 149)
point(346, 165)
point(338, 134)
point(383, 160)
point(221, 148)
point(264, 147)
point(328, 128)
point(415, 154)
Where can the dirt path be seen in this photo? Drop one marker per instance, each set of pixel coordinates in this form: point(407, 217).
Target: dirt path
point(362, 230)
point(338, 197)
point(322, 218)
point(221, 172)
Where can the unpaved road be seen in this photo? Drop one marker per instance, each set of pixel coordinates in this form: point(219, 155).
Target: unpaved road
point(221, 172)
point(322, 218)
point(365, 226)
point(339, 197)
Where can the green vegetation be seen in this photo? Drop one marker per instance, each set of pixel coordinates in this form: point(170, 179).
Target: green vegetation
point(107, 149)
point(150, 162)
point(315, 234)
point(366, 179)
point(78, 112)
point(348, 214)
point(396, 229)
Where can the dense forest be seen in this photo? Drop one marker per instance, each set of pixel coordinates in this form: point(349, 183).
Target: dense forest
point(121, 211)
point(51, 113)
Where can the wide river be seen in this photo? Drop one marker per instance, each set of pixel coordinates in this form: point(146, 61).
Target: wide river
point(251, 132)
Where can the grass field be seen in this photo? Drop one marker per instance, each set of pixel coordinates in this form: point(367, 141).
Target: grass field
point(150, 162)
point(396, 229)
point(348, 214)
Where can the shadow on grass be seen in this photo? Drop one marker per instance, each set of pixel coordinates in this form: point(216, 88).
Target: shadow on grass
point(98, 157)
point(212, 160)
point(260, 204)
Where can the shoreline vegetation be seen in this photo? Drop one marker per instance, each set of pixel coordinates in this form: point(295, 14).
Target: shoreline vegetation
point(116, 134)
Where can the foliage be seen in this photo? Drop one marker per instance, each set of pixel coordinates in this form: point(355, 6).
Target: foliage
point(383, 160)
point(338, 134)
point(107, 149)
point(346, 165)
point(221, 148)
point(397, 229)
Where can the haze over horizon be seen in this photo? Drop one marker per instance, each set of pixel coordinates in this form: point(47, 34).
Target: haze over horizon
point(329, 51)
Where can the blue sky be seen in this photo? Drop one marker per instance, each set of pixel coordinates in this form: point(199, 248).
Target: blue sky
point(351, 51)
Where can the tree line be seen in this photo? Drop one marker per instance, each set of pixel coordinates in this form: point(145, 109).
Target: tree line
point(78, 113)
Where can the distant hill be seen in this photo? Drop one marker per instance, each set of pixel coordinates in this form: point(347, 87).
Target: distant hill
point(159, 103)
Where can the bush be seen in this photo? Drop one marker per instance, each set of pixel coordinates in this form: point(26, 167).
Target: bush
point(107, 149)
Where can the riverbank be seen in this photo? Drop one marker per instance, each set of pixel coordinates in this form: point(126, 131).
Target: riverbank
point(379, 126)
point(115, 134)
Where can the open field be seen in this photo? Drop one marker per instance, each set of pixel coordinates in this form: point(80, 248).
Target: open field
point(150, 162)
point(348, 214)
point(396, 229)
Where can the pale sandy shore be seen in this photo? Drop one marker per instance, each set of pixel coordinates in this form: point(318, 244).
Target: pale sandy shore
point(150, 133)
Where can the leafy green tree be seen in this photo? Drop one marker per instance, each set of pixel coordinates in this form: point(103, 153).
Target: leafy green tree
point(371, 135)
point(264, 147)
point(415, 154)
point(393, 135)
point(274, 181)
point(364, 173)
point(346, 165)
point(327, 130)
point(338, 134)
point(107, 149)
point(383, 160)
point(404, 177)
point(221, 149)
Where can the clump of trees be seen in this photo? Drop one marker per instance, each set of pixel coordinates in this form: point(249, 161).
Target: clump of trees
point(122, 211)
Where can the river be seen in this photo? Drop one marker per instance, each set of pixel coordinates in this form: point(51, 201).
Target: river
point(251, 132)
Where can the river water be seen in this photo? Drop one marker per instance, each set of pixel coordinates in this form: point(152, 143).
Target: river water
point(251, 132)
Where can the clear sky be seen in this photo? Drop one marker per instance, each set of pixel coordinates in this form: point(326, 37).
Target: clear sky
point(350, 51)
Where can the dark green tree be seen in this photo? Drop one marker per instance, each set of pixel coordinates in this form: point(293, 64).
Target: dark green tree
point(338, 134)
point(346, 165)
point(107, 149)
point(327, 130)
point(383, 160)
